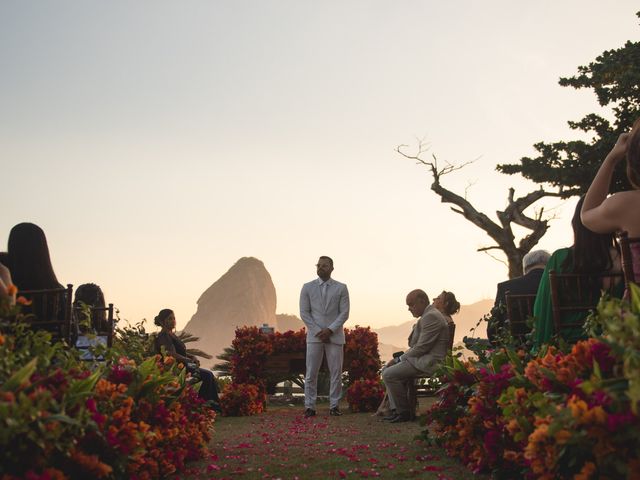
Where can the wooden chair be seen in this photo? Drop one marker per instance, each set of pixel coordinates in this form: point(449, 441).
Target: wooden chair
point(626, 246)
point(578, 293)
point(50, 310)
point(102, 324)
point(519, 310)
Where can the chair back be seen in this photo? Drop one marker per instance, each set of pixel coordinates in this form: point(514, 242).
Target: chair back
point(101, 321)
point(519, 309)
point(578, 293)
point(452, 332)
point(50, 310)
point(627, 247)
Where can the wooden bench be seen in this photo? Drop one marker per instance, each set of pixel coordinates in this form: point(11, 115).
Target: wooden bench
point(289, 366)
point(284, 366)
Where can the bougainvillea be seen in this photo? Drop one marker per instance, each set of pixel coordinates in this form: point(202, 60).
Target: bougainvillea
point(559, 414)
point(251, 350)
point(74, 419)
point(241, 399)
point(362, 359)
point(365, 395)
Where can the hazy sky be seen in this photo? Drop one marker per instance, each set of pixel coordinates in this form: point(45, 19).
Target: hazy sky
point(158, 142)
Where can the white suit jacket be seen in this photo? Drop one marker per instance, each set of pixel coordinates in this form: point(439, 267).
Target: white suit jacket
point(330, 313)
point(429, 341)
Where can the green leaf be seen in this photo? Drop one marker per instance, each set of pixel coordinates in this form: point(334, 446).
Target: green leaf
point(80, 389)
point(60, 417)
point(14, 382)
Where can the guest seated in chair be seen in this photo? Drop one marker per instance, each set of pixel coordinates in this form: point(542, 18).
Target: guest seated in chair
point(28, 258)
point(29, 261)
point(591, 253)
point(429, 345)
point(619, 212)
point(533, 264)
point(89, 295)
point(176, 348)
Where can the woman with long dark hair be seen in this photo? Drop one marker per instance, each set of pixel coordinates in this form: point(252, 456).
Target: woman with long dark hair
point(90, 295)
point(30, 265)
point(591, 253)
point(28, 258)
point(175, 347)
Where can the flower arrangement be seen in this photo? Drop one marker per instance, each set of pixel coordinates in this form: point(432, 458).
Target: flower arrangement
point(365, 395)
point(246, 359)
point(73, 419)
point(559, 414)
point(362, 358)
point(242, 399)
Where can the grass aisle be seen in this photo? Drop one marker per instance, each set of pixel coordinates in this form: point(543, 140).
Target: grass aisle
point(282, 444)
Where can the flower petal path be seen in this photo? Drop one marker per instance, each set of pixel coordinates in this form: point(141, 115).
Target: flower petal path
point(281, 443)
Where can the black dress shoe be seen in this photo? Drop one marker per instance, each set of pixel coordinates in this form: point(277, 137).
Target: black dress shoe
point(335, 412)
point(309, 412)
point(401, 417)
point(391, 416)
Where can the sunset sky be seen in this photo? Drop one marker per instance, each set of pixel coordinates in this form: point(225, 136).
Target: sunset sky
point(158, 142)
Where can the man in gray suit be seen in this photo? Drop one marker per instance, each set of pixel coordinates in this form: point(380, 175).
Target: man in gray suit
point(429, 342)
point(324, 307)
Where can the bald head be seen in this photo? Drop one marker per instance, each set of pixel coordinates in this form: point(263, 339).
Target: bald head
point(417, 301)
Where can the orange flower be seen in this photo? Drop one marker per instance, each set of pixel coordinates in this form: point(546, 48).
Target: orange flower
point(1, 340)
point(562, 436)
point(23, 301)
point(11, 289)
point(586, 473)
point(169, 360)
point(510, 455)
point(91, 464)
point(578, 407)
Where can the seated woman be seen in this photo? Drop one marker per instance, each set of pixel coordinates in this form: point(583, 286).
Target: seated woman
point(447, 304)
point(619, 212)
point(175, 347)
point(30, 265)
point(91, 295)
point(591, 253)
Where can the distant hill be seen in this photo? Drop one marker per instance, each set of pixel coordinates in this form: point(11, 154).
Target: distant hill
point(285, 321)
point(245, 295)
point(465, 321)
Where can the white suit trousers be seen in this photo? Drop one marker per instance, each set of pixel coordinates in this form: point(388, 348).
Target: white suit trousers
point(334, 354)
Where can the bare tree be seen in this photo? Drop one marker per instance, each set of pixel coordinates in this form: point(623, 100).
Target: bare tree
point(502, 233)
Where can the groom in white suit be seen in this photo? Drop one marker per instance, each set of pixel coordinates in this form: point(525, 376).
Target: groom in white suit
point(324, 307)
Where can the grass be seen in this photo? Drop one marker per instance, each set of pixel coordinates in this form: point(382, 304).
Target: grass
point(282, 444)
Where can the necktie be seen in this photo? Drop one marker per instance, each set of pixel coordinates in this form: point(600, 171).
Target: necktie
point(323, 290)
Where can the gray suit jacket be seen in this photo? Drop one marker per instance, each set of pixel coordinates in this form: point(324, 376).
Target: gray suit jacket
point(429, 341)
point(330, 313)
